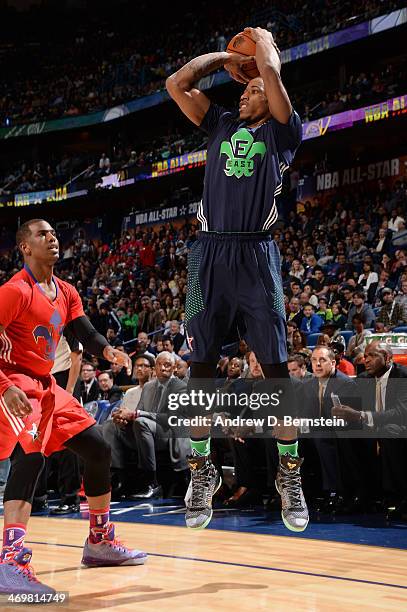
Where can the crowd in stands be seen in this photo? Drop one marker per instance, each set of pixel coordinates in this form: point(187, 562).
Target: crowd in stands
point(51, 173)
point(90, 69)
point(344, 268)
point(359, 90)
point(38, 176)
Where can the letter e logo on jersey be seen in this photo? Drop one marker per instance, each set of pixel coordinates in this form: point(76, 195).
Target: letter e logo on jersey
point(240, 152)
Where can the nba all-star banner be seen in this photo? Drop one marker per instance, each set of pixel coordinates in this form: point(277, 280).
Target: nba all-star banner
point(388, 170)
point(60, 194)
point(394, 107)
point(160, 215)
point(329, 41)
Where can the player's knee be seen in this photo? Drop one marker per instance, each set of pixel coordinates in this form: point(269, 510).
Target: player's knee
point(91, 446)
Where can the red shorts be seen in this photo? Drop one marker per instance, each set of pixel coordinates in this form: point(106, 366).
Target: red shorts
point(56, 417)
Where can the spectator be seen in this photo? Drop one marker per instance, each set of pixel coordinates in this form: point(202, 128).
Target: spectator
point(357, 250)
point(129, 323)
point(375, 289)
point(89, 387)
point(346, 299)
point(108, 391)
point(297, 270)
point(107, 320)
point(319, 282)
point(357, 343)
point(338, 317)
point(168, 345)
point(121, 377)
point(297, 367)
point(104, 164)
point(299, 345)
point(142, 372)
point(323, 311)
point(342, 364)
point(383, 243)
point(367, 277)
point(332, 295)
point(311, 322)
point(296, 314)
point(149, 320)
point(401, 298)
point(361, 308)
point(181, 369)
point(391, 314)
point(396, 221)
point(291, 327)
point(175, 335)
point(144, 344)
point(323, 340)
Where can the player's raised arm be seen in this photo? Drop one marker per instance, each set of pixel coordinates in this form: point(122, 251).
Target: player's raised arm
point(269, 65)
point(180, 85)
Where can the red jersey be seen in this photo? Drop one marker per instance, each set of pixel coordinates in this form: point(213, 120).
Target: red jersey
point(33, 323)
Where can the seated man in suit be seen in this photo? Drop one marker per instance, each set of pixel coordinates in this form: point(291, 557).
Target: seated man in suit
point(333, 450)
point(145, 429)
point(383, 389)
point(89, 387)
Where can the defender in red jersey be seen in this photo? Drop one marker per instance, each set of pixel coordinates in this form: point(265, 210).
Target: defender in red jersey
point(37, 417)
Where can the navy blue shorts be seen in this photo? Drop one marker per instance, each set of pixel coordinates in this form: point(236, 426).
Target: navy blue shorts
point(230, 275)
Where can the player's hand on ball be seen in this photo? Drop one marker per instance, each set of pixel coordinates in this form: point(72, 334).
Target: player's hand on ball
point(114, 356)
point(233, 64)
point(260, 35)
point(17, 402)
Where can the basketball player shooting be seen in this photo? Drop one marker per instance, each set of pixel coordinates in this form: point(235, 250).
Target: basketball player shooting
point(37, 417)
point(234, 266)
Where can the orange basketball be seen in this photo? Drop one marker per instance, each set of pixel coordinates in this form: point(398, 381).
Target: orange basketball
point(245, 45)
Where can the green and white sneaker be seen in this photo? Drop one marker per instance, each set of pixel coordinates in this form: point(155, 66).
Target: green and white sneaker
point(205, 481)
point(294, 511)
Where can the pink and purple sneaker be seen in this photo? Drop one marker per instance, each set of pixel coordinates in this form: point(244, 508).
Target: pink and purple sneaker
point(17, 576)
point(108, 550)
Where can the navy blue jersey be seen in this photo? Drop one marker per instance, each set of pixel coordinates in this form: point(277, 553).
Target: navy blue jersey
point(244, 170)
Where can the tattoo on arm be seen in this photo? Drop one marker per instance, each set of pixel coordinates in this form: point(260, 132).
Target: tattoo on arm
point(198, 68)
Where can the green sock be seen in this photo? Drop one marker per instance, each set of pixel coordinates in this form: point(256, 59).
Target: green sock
point(201, 448)
point(291, 448)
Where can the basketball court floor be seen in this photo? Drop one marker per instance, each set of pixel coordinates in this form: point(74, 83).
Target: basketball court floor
point(245, 560)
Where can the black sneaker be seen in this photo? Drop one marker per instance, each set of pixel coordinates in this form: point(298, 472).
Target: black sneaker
point(39, 506)
point(150, 492)
point(205, 481)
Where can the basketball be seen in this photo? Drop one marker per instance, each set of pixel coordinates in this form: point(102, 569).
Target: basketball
point(245, 45)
